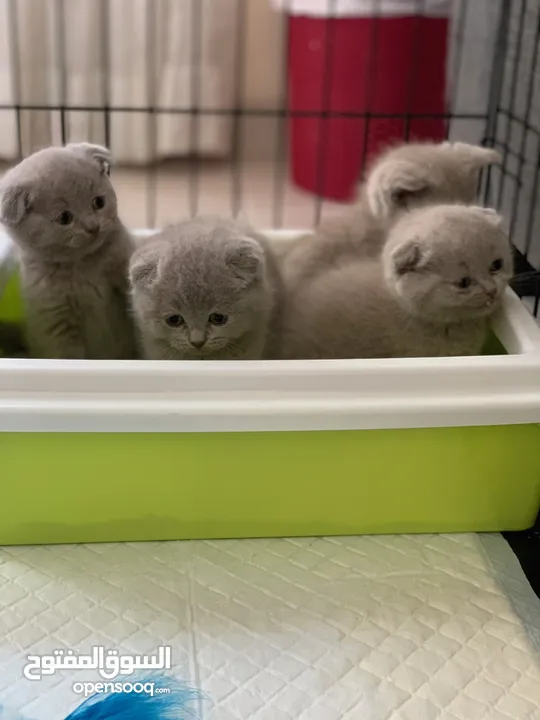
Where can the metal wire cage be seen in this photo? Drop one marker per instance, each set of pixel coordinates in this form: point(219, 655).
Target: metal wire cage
point(513, 127)
point(494, 99)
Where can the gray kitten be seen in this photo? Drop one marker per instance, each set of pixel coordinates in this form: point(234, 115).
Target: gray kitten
point(417, 174)
point(205, 289)
point(59, 207)
point(442, 274)
point(405, 177)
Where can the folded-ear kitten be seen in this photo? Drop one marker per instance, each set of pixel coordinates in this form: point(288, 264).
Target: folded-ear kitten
point(404, 177)
point(205, 289)
point(60, 208)
point(442, 275)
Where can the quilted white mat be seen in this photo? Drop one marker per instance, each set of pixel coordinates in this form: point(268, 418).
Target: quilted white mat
point(371, 628)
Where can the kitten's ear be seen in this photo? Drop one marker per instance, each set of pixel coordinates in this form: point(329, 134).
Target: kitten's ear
point(15, 203)
point(475, 156)
point(97, 153)
point(246, 259)
point(391, 186)
point(406, 257)
point(144, 267)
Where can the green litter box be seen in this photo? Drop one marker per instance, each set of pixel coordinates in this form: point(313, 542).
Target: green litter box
point(109, 451)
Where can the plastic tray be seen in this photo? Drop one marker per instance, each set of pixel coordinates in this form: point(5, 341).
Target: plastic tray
point(102, 451)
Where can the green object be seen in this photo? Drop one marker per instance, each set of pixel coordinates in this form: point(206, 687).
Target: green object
point(118, 486)
point(11, 305)
point(91, 487)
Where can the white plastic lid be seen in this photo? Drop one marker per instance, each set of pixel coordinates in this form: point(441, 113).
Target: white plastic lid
point(364, 8)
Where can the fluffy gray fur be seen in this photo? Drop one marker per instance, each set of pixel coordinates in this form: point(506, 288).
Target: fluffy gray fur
point(417, 174)
point(195, 273)
point(405, 177)
point(73, 253)
point(442, 274)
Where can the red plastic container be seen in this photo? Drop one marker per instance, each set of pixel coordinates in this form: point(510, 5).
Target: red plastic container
point(376, 66)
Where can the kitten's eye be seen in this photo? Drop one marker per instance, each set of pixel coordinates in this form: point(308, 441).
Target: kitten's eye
point(65, 218)
point(496, 265)
point(464, 283)
point(174, 320)
point(98, 202)
point(401, 196)
point(218, 319)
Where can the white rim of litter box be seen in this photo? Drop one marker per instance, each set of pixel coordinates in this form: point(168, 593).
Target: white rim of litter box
point(241, 396)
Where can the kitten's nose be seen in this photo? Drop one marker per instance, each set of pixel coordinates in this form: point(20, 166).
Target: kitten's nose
point(197, 339)
point(93, 229)
point(491, 293)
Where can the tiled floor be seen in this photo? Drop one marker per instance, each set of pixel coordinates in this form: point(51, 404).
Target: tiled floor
point(173, 190)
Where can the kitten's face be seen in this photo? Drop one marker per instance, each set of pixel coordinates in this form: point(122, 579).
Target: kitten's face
point(199, 320)
point(203, 294)
point(449, 264)
point(70, 207)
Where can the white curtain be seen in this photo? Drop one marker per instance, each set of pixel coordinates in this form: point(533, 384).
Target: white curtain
point(166, 54)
